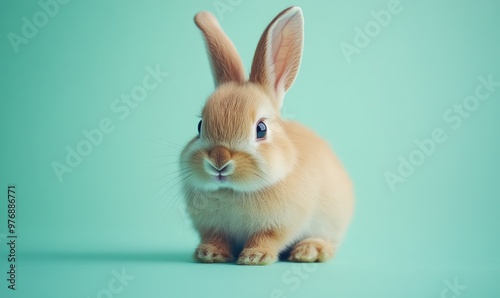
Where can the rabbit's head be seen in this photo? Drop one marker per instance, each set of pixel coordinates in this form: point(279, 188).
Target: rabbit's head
point(242, 144)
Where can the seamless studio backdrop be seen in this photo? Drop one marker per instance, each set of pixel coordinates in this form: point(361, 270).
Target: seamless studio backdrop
point(98, 98)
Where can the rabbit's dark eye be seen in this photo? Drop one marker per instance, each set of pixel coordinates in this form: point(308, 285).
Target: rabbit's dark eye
point(199, 126)
point(261, 130)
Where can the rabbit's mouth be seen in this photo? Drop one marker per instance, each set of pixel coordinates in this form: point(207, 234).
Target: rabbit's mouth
point(220, 178)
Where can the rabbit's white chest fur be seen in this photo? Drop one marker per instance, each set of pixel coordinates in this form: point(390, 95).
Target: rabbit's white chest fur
point(238, 215)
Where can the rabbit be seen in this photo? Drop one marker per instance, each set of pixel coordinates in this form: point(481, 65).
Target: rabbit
point(257, 186)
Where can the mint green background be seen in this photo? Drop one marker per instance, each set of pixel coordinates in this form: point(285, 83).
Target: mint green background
point(113, 211)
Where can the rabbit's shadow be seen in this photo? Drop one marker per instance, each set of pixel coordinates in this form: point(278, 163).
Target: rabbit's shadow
point(174, 256)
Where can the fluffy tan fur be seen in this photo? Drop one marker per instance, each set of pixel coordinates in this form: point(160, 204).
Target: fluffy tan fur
point(285, 192)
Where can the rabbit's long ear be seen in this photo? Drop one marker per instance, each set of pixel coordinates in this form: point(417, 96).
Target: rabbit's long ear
point(225, 61)
point(277, 58)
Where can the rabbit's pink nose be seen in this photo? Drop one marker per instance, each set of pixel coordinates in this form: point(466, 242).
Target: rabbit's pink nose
point(221, 170)
point(224, 170)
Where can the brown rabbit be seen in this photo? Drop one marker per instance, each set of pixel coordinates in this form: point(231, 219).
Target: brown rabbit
point(267, 185)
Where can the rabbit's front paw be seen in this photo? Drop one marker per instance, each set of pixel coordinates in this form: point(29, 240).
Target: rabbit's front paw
point(209, 253)
point(311, 250)
point(256, 256)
